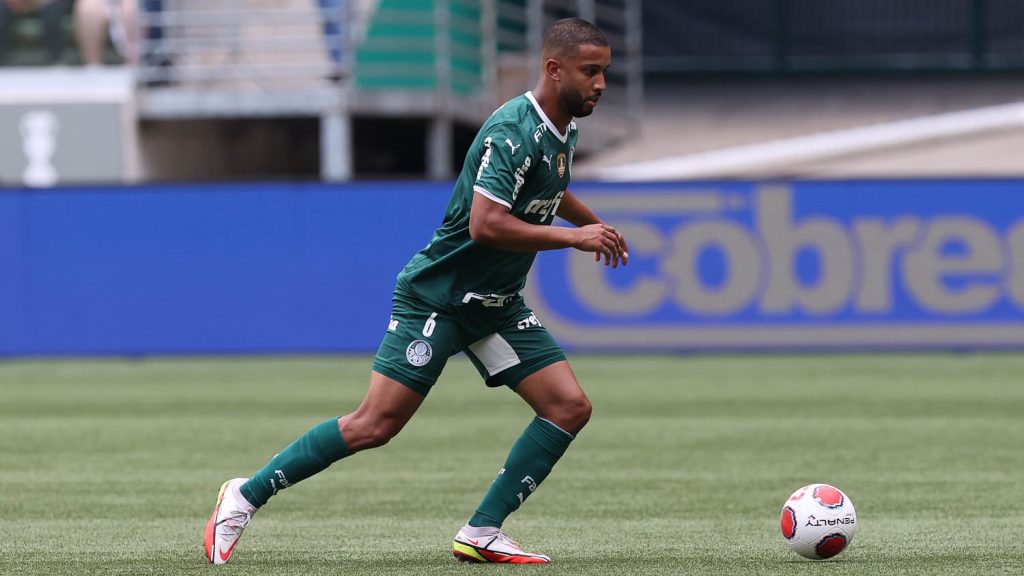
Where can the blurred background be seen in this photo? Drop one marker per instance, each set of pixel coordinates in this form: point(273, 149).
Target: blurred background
point(248, 176)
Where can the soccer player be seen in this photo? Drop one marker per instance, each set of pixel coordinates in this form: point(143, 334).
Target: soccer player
point(461, 294)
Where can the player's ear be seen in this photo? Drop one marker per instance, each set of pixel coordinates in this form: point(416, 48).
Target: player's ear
point(553, 68)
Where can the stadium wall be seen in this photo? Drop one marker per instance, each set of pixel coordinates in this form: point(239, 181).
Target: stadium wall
point(309, 268)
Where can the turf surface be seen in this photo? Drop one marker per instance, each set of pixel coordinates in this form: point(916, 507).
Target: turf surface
point(112, 467)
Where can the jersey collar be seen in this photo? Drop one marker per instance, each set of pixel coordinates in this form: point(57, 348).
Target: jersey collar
point(551, 126)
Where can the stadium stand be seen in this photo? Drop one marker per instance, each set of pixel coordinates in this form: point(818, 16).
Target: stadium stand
point(738, 88)
point(428, 67)
point(333, 89)
point(225, 88)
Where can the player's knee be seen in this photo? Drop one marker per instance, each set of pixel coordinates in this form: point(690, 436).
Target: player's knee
point(582, 409)
point(573, 414)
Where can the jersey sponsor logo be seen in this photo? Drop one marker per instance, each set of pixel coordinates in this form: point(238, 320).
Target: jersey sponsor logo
point(531, 485)
point(485, 160)
point(560, 162)
point(527, 322)
point(418, 353)
point(547, 160)
point(512, 146)
point(488, 300)
point(545, 208)
point(539, 132)
point(520, 176)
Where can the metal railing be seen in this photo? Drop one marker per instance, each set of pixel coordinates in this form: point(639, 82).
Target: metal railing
point(444, 60)
point(269, 44)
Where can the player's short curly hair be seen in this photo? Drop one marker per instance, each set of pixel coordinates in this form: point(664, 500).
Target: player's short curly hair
point(566, 35)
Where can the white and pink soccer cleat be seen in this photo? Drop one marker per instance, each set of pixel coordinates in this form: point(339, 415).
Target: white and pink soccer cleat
point(230, 517)
point(494, 547)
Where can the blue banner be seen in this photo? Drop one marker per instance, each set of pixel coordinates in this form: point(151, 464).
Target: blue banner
point(795, 265)
point(203, 269)
point(282, 268)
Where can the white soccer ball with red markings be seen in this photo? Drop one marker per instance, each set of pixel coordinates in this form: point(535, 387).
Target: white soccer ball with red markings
point(818, 521)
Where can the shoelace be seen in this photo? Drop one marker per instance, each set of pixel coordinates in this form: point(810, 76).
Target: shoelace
point(237, 521)
point(505, 538)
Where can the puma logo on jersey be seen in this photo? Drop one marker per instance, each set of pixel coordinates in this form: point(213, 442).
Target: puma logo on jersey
point(547, 160)
point(512, 146)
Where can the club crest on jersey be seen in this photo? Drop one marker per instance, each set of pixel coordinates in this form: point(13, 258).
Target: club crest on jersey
point(418, 353)
point(560, 162)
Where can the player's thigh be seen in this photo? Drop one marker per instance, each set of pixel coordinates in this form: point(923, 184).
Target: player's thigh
point(518, 348)
point(417, 345)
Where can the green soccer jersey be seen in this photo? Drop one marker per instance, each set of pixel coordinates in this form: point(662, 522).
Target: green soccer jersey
point(519, 159)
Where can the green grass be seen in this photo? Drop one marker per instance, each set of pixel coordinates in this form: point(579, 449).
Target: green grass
point(111, 467)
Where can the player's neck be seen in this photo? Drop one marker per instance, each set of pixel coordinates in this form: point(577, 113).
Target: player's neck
point(552, 107)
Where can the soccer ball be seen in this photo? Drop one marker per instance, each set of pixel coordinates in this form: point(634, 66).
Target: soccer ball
point(818, 521)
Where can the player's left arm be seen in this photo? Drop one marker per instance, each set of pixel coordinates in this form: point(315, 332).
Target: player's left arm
point(574, 211)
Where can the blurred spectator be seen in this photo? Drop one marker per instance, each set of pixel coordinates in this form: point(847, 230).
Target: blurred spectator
point(51, 12)
point(96, 20)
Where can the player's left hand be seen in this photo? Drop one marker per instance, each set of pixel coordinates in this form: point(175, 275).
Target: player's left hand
point(619, 254)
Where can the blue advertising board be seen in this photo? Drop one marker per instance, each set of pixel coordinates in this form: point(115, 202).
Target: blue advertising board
point(796, 265)
point(286, 268)
point(201, 269)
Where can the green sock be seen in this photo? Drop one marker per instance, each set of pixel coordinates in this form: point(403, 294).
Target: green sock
point(528, 464)
point(314, 451)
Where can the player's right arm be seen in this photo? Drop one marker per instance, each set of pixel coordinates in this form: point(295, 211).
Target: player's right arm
point(492, 224)
point(502, 169)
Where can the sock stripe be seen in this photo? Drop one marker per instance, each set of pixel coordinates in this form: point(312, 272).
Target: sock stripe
point(557, 427)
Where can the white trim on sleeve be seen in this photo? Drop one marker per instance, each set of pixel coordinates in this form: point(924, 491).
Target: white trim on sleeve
point(483, 192)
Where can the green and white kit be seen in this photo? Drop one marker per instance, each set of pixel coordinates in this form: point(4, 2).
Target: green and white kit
point(456, 295)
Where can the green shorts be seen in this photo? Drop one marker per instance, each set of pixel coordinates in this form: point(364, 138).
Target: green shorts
point(506, 343)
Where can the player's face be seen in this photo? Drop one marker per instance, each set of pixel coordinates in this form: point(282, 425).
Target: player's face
point(583, 79)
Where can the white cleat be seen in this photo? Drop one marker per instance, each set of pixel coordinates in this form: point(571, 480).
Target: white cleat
point(495, 547)
point(230, 517)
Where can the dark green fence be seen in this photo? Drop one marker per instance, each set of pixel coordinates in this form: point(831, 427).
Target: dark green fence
point(780, 36)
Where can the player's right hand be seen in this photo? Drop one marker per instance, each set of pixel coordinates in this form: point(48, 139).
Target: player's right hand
point(603, 240)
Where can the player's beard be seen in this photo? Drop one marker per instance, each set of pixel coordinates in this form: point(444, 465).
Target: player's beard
point(574, 102)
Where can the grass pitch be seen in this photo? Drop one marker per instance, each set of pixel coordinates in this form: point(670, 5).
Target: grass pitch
point(112, 467)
